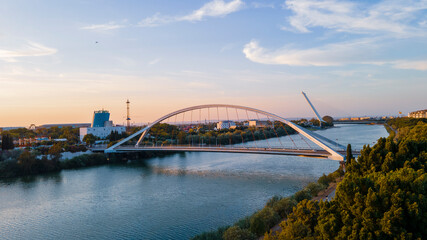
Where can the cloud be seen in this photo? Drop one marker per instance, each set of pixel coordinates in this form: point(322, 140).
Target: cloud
point(154, 61)
point(156, 20)
point(31, 49)
point(362, 51)
point(415, 65)
point(329, 55)
point(104, 27)
point(342, 16)
point(215, 8)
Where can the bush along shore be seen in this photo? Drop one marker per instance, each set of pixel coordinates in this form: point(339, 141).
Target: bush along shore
point(24, 162)
point(21, 163)
point(383, 195)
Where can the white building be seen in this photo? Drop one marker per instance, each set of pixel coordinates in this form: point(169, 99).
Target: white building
point(101, 126)
point(101, 132)
point(225, 125)
point(418, 114)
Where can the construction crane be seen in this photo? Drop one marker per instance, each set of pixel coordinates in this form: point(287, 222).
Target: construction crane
point(314, 109)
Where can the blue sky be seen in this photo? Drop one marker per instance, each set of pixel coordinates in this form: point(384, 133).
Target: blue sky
point(60, 61)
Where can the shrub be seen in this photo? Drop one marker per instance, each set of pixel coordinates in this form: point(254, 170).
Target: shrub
point(302, 195)
point(236, 233)
point(314, 188)
point(263, 220)
point(284, 206)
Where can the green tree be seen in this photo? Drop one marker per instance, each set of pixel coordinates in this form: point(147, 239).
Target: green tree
point(263, 220)
point(89, 139)
point(236, 233)
point(7, 142)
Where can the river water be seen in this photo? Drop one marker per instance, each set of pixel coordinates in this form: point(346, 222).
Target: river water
point(172, 197)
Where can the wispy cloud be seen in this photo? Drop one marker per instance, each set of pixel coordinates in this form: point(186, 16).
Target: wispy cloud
point(154, 61)
point(31, 49)
point(415, 65)
point(362, 51)
point(104, 27)
point(329, 55)
point(215, 8)
point(344, 16)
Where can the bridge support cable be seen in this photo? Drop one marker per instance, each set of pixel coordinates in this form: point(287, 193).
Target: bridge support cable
point(209, 126)
point(289, 135)
point(200, 127)
point(238, 120)
point(262, 129)
point(217, 113)
point(326, 145)
point(277, 135)
point(191, 122)
point(251, 130)
point(309, 146)
point(229, 126)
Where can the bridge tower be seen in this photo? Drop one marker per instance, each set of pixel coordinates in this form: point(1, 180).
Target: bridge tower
point(314, 109)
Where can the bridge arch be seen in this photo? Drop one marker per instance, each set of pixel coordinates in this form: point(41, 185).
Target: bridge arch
point(319, 140)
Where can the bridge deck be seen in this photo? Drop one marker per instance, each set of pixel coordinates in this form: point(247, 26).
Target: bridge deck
point(275, 151)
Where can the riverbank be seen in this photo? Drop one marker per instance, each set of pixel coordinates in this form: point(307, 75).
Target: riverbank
point(275, 211)
point(325, 195)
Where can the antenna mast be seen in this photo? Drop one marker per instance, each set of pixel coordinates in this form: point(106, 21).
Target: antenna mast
point(128, 116)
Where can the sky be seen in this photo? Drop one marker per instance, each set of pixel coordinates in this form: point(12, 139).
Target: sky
point(62, 60)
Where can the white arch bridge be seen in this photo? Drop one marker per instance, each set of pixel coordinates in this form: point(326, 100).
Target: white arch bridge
point(201, 129)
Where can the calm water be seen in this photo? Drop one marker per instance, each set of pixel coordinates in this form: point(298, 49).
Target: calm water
point(173, 197)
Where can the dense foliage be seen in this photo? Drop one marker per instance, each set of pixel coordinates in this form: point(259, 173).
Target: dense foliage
point(382, 196)
point(19, 163)
point(7, 142)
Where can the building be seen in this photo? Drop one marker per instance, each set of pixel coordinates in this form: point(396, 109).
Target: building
point(225, 125)
point(258, 123)
point(101, 126)
point(62, 125)
point(100, 117)
point(418, 114)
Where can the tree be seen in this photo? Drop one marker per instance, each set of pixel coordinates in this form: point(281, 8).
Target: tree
point(349, 154)
point(236, 233)
point(329, 121)
point(55, 151)
point(89, 139)
point(7, 142)
point(263, 220)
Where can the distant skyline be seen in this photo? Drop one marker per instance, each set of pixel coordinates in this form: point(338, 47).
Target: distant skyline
point(60, 61)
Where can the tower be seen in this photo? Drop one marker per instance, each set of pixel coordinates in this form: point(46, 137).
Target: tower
point(128, 116)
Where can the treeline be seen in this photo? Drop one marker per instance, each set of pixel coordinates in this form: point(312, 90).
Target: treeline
point(20, 163)
point(383, 194)
point(276, 209)
point(167, 134)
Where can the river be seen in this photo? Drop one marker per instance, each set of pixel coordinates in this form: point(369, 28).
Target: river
point(172, 197)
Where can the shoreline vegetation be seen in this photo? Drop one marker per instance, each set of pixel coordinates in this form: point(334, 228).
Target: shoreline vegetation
point(382, 195)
